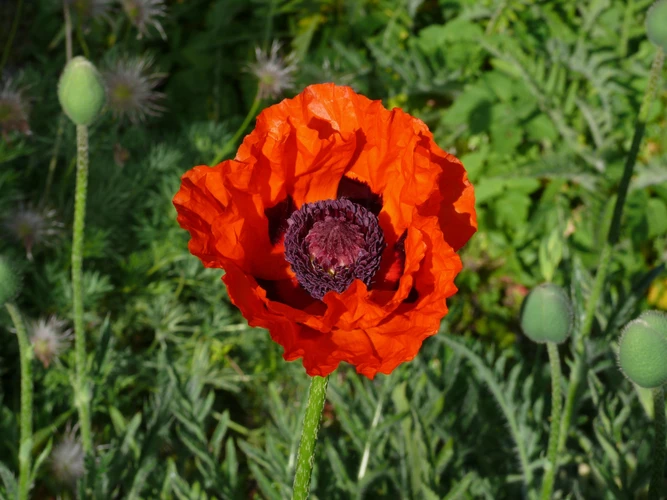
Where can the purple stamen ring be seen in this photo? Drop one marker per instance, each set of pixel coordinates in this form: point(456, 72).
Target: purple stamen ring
point(331, 243)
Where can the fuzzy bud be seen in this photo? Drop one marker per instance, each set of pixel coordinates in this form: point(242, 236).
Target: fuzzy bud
point(546, 314)
point(642, 353)
point(81, 91)
point(49, 339)
point(10, 281)
point(68, 460)
point(656, 24)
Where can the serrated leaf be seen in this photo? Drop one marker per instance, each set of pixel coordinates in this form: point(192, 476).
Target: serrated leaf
point(9, 481)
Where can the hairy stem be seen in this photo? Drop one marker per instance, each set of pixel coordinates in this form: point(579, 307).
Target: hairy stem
point(613, 235)
point(311, 423)
point(660, 450)
point(25, 447)
point(556, 407)
point(229, 145)
point(81, 391)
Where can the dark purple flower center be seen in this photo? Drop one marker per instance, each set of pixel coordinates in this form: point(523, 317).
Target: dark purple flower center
point(331, 243)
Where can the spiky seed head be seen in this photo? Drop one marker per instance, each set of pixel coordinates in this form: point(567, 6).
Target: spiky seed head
point(131, 85)
point(33, 227)
point(145, 13)
point(642, 350)
point(49, 338)
point(656, 24)
point(81, 91)
point(10, 281)
point(67, 459)
point(274, 74)
point(546, 314)
point(14, 109)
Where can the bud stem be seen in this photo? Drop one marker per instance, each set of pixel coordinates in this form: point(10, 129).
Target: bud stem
point(311, 424)
point(81, 396)
point(82, 40)
point(613, 234)
point(68, 31)
point(25, 444)
point(229, 145)
point(556, 407)
point(660, 450)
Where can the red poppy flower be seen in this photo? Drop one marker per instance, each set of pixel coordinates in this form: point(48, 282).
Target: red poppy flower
point(337, 225)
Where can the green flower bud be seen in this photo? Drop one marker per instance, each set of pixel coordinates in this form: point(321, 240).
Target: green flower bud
point(642, 353)
point(81, 91)
point(10, 281)
point(656, 24)
point(546, 314)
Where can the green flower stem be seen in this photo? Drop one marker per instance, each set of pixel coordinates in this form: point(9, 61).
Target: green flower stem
point(229, 145)
point(311, 424)
point(579, 368)
point(12, 34)
point(640, 126)
point(81, 391)
point(660, 450)
point(54, 159)
point(25, 446)
point(82, 40)
point(68, 32)
point(556, 407)
point(613, 235)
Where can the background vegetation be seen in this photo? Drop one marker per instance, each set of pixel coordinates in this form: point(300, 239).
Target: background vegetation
point(537, 98)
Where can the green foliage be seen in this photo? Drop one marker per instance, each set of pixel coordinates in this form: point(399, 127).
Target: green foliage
point(655, 24)
point(10, 281)
point(537, 99)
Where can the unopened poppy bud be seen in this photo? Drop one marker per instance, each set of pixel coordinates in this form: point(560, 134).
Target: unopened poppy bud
point(81, 91)
point(10, 281)
point(546, 314)
point(656, 24)
point(642, 353)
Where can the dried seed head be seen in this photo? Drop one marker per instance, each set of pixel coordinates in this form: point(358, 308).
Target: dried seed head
point(10, 281)
point(49, 338)
point(131, 88)
point(33, 227)
point(14, 109)
point(145, 13)
point(272, 71)
point(120, 155)
point(546, 314)
point(67, 459)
